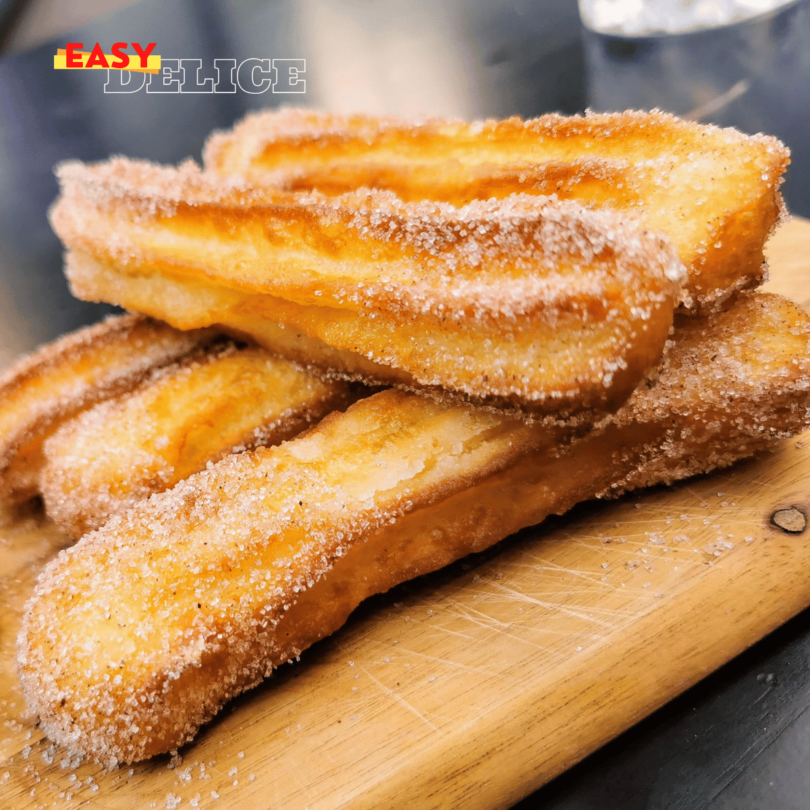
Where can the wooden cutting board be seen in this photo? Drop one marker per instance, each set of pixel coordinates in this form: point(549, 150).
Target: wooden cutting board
point(474, 686)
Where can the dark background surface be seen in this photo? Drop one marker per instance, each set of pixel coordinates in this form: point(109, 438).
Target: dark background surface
point(741, 738)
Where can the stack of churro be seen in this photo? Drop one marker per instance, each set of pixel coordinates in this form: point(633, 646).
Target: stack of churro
point(557, 310)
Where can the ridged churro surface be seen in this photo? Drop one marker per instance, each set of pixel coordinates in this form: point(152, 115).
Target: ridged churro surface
point(219, 400)
point(143, 630)
point(713, 192)
point(41, 391)
point(528, 303)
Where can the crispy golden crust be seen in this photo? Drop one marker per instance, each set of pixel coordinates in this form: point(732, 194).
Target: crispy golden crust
point(219, 400)
point(41, 391)
point(143, 630)
point(713, 192)
point(525, 302)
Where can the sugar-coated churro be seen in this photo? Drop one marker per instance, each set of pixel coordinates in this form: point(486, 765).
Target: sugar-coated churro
point(713, 192)
point(526, 303)
point(216, 401)
point(39, 392)
point(144, 629)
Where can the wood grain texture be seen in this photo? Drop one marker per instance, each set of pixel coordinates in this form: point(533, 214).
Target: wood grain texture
point(473, 686)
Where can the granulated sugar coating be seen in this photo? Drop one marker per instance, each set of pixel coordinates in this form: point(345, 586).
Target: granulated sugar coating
point(731, 375)
point(218, 400)
point(143, 630)
point(525, 302)
point(41, 391)
point(713, 192)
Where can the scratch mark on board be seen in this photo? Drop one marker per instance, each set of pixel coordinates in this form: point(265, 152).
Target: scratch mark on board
point(399, 699)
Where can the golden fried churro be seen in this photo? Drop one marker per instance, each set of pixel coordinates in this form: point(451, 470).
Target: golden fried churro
point(713, 192)
point(525, 303)
point(141, 632)
point(214, 402)
point(41, 391)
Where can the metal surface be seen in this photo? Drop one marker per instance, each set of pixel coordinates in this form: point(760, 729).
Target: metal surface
point(753, 75)
point(737, 740)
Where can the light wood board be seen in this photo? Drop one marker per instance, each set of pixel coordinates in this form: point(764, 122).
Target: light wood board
point(473, 686)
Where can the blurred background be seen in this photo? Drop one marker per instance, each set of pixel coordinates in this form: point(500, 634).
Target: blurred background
point(743, 63)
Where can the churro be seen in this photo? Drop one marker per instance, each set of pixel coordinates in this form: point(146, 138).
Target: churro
point(143, 630)
point(41, 391)
point(219, 400)
point(525, 303)
point(713, 192)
